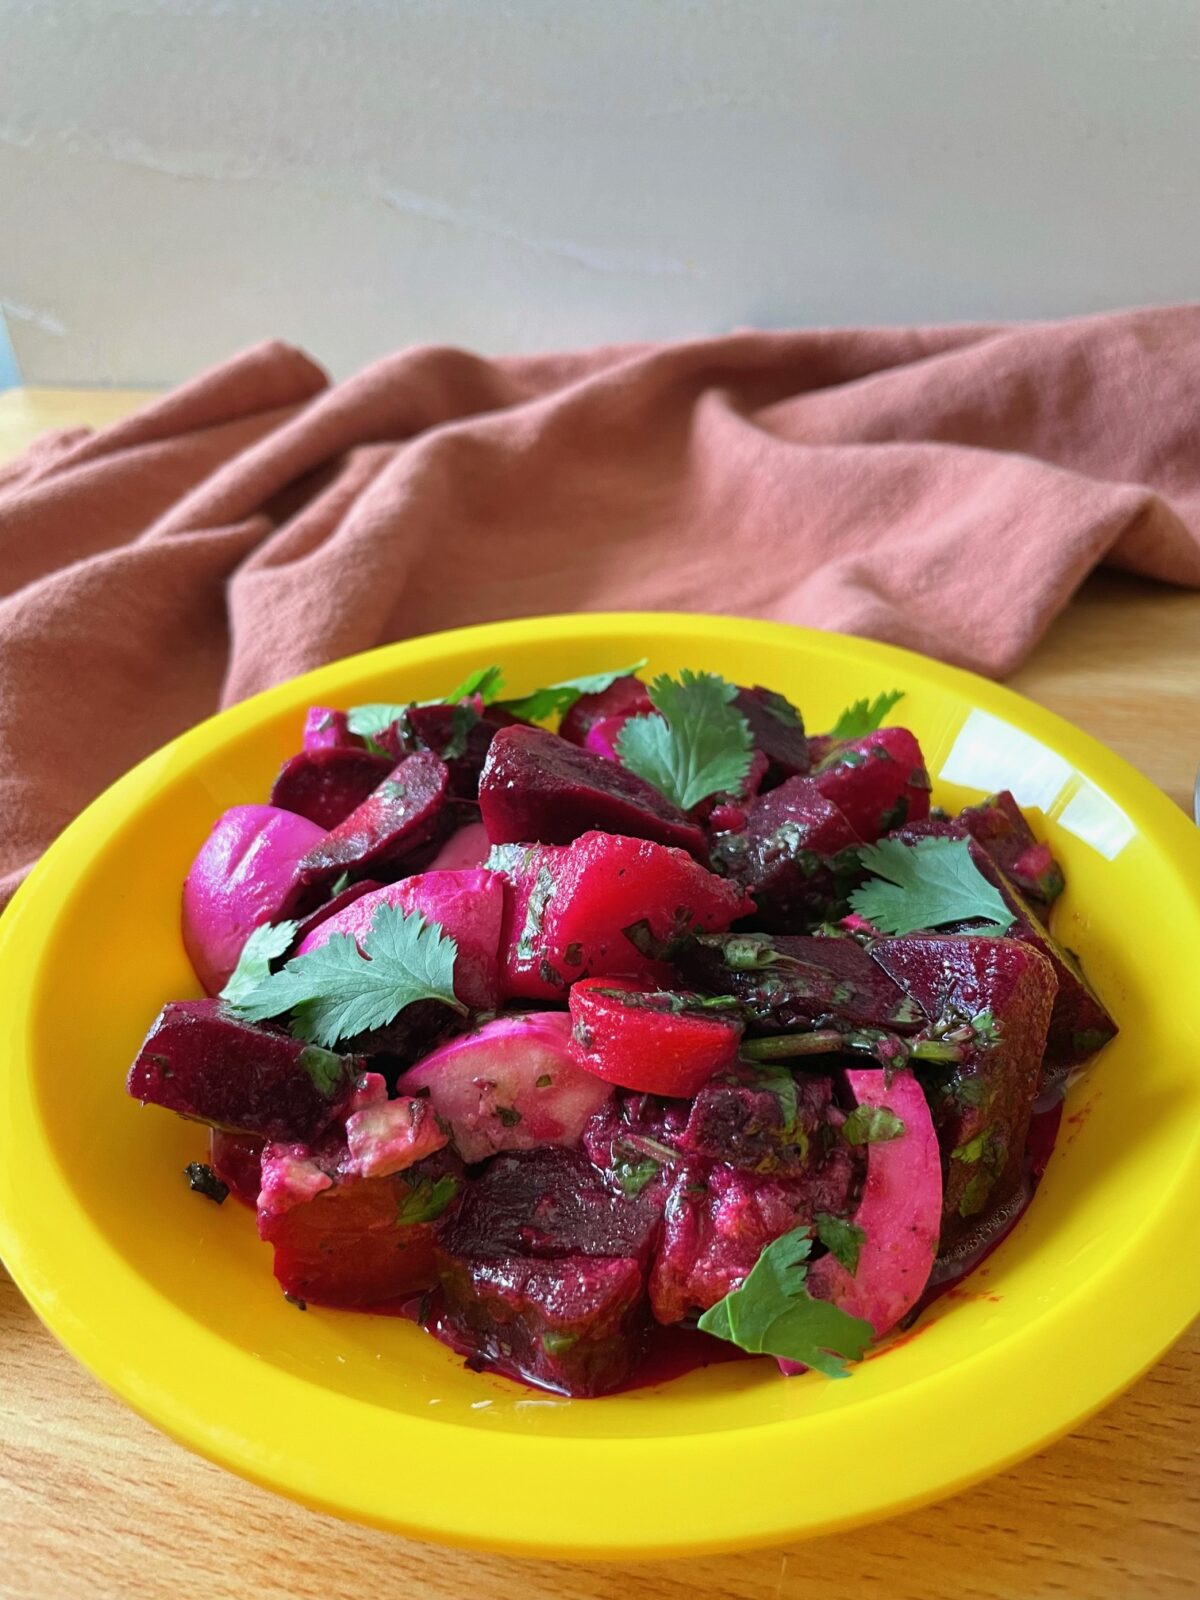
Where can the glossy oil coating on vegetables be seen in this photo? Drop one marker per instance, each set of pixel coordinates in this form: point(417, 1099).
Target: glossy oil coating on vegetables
point(622, 1004)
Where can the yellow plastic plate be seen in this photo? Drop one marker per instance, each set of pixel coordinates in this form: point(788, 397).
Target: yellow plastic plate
point(171, 1302)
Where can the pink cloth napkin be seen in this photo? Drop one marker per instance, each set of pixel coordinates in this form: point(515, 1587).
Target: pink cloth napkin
point(944, 488)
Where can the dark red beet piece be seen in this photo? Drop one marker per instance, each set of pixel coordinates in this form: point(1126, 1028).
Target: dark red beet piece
point(548, 1203)
point(327, 729)
point(1080, 1023)
point(624, 697)
point(982, 1107)
point(538, 788)
point(740, 1117)
point(576, 1325)
point(404, 814)
point(461, 735)
point(345, 897)
point(794, 981)
point(797, 855)
point(999, 825)
point(777, 729)
point(879, 781)
point(237, 1160)
point(543, 1271)
point(201, 1061)
point(327, 785)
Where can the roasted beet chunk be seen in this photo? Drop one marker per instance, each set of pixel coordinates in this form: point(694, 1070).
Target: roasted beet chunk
point(205, 1064)
point(1003, 992)
point(461, 735)
point(346, 1240)
point(604, 906)
point(999, 825)
point(878, 781)
point(795, 982)
point(1079, 1024)
point(327, 784)
point(762, 1120)
point(576, 1325)
point(543, 1271)
point(718, 1220)
point(548, 1203)
point(624, 697)
point(797, 855)
point(777, 729)
point(403, 814)
point(538, 787)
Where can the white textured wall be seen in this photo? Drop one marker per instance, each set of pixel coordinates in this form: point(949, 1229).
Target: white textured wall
point(180, 177)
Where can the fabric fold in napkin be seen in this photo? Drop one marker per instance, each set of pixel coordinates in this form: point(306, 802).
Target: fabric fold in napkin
point(942, 488)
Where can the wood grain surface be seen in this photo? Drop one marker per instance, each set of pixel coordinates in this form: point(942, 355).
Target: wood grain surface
point(95, 1502)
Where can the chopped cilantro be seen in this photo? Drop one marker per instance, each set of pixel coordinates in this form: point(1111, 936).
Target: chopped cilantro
point(557, 698)
point(509, 1116)
point(696, 743)
point(925, 885)
point(871, 1125)
point(264, 945)
point(342, 881)
point(772, 1313)
point(340, 990)
point(864, 716)
point(426, 1200)
point(369, 720)
point(842, 1239)
point(633, 1176)
point(486, 682)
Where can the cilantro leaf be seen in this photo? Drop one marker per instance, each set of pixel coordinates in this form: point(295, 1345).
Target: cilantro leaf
point(772, 1313)
point(928, 884)
point(778, 1080)
point(337, 991)
point(486, 682)
point(633, 1176)
point(426, 1200)
point(557, 698)
point(368, 720)
point(864, 716)
point(327, 1071)
point(842, 1239)
point(871, 1125)
point(264, 945)
point(697, 744)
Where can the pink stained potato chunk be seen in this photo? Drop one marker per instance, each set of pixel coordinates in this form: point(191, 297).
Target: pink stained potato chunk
point(245, 874)
point(509, 1085)
point(900, 1211)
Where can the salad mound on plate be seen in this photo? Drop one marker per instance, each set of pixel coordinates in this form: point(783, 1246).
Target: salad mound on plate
point(676, 1017)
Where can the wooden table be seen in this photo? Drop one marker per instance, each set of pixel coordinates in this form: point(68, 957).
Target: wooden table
point(94, 1502)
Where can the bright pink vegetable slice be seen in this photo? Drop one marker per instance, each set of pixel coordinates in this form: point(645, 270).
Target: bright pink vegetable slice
point(647, 1039)
point(604, 906)
point(900, 1211)
point(469, 906)
point(327, 729)
point(510, 1085)
point(246, 873)
point(466, 847)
